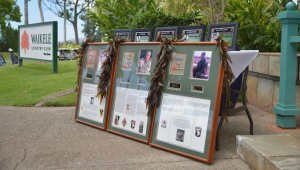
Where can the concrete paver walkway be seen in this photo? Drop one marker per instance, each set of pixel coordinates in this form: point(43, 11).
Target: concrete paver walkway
point(49, 138)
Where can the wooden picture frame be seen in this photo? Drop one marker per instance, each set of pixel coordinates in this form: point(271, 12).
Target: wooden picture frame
point(139, 34)
point(87, 105)
point(215, 30)
point(177, 128)
point(124, 33)
point(169, 32)
point(127, 98)
point(197, 33)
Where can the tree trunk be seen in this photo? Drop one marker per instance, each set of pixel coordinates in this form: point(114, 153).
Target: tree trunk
point(41, 10)
point(75, 30)
point(65, 23)
point(75, 22)
point(26, 11)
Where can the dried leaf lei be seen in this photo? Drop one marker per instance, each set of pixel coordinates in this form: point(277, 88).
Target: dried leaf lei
point(157, 82)
point(107, 67)
point(228, 76)
point(80, 60)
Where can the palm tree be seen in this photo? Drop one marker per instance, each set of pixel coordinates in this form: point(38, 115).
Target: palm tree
point(26, 11)
point(41, 10)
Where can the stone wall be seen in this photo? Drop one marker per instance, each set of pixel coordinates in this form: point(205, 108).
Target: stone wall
point(263, 81)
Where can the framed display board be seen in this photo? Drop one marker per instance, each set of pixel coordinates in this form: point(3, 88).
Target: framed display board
point(142, 35)
point(193, 33)
point(186, 120)
point(231, 30)
point(124, 33)
point(168, 32)
point(128, 113)
point(88, 108)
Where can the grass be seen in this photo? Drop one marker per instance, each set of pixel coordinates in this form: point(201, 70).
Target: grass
point(34, 81)
point(66, 100)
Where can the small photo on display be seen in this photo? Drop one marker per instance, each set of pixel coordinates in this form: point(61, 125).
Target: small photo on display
point(201, 65)
point(180, 135)
point(144, 62)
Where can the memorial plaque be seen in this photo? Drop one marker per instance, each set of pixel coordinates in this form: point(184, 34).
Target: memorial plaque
point(193, 33)
point(88, 109)
point(230, 34)
point(185, 122)
point(124, 33)
point(143, 35)
point(128, 113)
point(168, 32)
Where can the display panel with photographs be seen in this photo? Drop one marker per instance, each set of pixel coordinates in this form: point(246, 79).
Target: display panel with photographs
point(124, 33)
point(128, 114)
point(193, 33)
point(142, 35)
point(89, 110)
point(230, 33)
point(201, 65)
point(168, 32)
point(185, 121)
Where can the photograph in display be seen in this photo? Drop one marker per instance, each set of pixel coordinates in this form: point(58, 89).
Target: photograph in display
point(90, 107)
point(141, 127)
point(130, 107)
point(192, 35)
point(116, 121)
point(142, 36)
point(101, 58)
point(183, 121)
point(228, 35)
point(201, 65)
point(127, 61)
point(144, 62)
point(91, 57)
point(177, 64)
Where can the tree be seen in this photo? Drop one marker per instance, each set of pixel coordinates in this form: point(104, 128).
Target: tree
point(73, 9)
point(26, 11)
point(9, 39)
point(157, 18)
point(90, 29)
point(11, 9)
point(41, 10)
point(210, 11)
point(112, 14)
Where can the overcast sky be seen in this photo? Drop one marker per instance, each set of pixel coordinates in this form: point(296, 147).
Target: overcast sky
point(34, 17)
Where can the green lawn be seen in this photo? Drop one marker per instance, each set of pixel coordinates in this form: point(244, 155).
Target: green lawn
point(66, 100)
point(34, 81)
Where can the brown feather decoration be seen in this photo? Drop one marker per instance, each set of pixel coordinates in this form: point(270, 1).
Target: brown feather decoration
point(228, 75)
point(157, 82)
point(107, 67)
point(80, 59)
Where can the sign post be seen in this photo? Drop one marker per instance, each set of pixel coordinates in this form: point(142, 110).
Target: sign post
point(38, 42)
point(286, 108)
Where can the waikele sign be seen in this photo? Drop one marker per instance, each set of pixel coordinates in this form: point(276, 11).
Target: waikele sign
point(38, 42)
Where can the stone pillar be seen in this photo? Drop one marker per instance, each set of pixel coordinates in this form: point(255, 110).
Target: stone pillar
point(286, 108)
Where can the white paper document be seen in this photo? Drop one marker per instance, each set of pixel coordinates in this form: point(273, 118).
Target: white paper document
point(183, 121)
point(90, 107)
point(130, 111)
